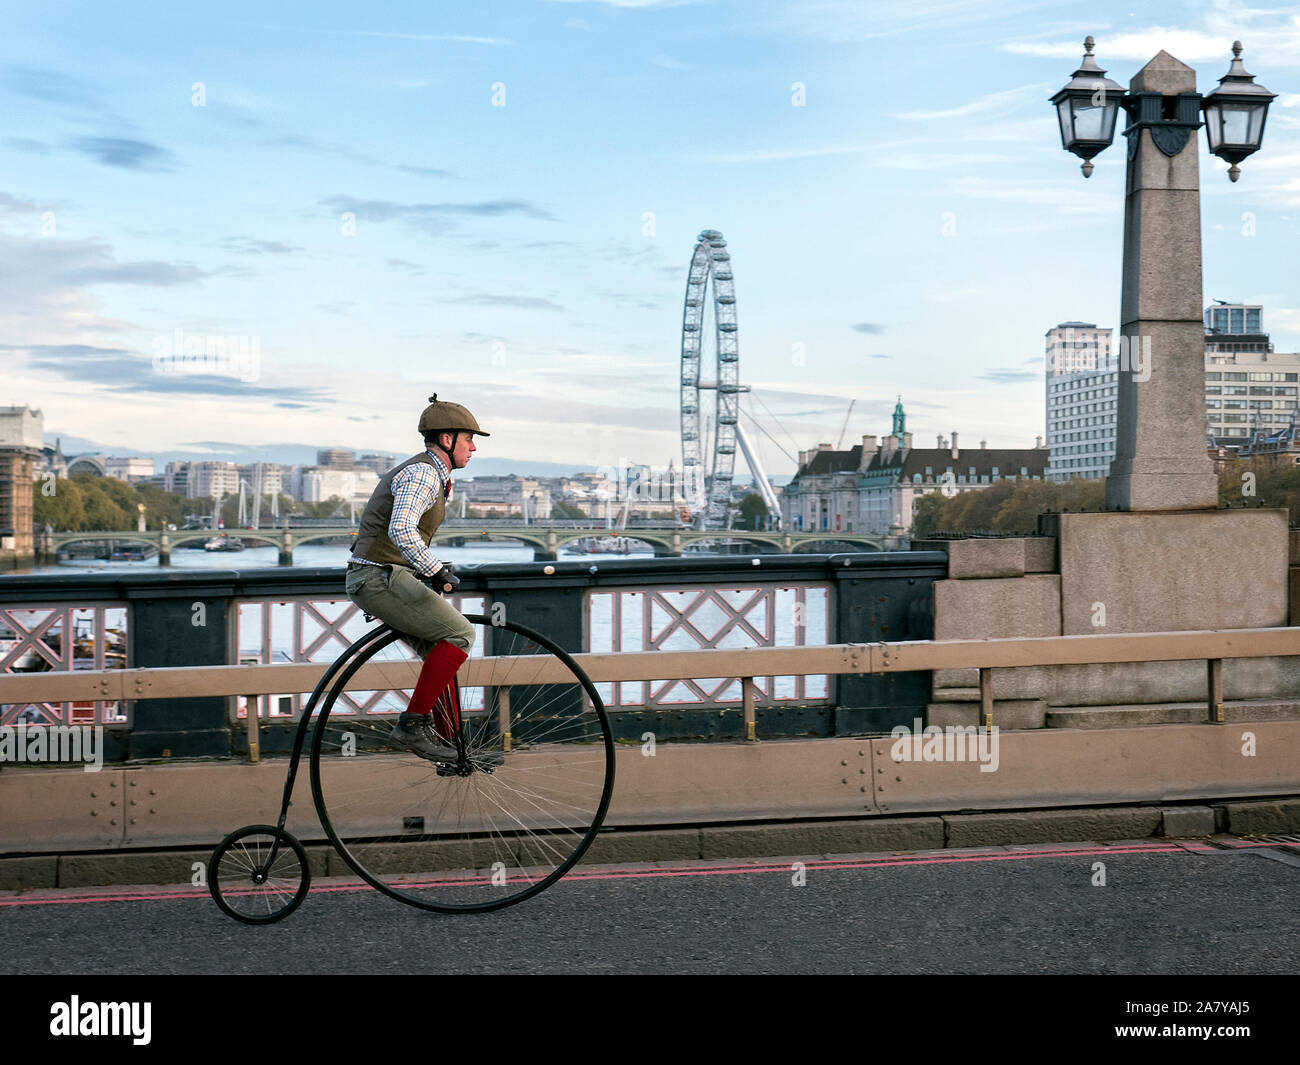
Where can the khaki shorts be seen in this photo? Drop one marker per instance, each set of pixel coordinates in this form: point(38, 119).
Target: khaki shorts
point(395, 595)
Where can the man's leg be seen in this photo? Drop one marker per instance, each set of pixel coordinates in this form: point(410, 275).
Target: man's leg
point(437, 632)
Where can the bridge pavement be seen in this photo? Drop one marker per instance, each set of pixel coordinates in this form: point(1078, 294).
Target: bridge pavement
point(1224, 906)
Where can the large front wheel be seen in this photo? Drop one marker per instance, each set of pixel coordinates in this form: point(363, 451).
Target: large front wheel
point(512, 815)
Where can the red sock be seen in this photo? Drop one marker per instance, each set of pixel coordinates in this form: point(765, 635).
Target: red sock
point(437, 676)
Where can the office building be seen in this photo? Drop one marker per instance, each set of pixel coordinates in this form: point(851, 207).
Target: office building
point(380, 463)
point(874, 487)
point(1249, 388)
point(262, 478)
point(336, 458)
point(1081, 420)
point(1072, 347)
point(319, 484)
point(507, 496)
point(176, 478)
point(1081, 390)
point(212, 480)
point(130, 470)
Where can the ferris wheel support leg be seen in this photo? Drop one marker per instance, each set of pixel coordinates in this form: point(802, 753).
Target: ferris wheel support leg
point(760, 478)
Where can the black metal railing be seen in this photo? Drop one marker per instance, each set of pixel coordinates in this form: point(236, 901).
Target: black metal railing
point(188, 618)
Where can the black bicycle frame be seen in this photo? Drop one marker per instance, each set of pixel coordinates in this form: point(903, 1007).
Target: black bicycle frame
point(300, 736)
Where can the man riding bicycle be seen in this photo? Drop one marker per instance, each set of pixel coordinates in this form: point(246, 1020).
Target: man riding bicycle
point(394, 576)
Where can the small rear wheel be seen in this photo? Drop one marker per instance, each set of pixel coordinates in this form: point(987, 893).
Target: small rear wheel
point(259, 874)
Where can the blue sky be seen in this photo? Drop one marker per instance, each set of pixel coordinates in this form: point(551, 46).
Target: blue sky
point(527, 180)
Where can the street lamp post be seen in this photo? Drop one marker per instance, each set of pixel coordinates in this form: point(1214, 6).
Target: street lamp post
point(1160, 458)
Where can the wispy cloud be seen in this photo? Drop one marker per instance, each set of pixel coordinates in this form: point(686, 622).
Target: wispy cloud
point(52, 87)
point(528, 303)
point(250, 246)
point(72, 99)
point(852, 20)
point(931, 161)
point(125, 153)
point(896, 155)
point(26, 144)
point(1064, 197)
point(868, 327)
point(452, 38)
point(424, 171)
point(121, 371)
point(1188, 45)
point(315, 146)
point(1009, 377)
point(1271, 37)
point(630, 299)
point(992, 102)
point(630, 4)
point(432, 217)
point(765, 155)
point(138, 273)
point(48, 288)
point(21, 204)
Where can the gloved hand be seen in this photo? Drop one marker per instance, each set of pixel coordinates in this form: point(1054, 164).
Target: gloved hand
point(445, 581)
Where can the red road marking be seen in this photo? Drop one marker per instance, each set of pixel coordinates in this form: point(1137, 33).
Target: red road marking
point(170, 894)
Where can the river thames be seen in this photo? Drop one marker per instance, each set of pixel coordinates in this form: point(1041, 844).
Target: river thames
point(309, 555)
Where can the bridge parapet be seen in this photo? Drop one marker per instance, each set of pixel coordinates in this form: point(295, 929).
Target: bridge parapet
point(227, 617)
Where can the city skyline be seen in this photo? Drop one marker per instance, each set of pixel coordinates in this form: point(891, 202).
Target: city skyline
point(530, 228)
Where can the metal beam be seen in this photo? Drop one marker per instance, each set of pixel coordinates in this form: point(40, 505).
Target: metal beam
point(53, 810)
point(670, 665)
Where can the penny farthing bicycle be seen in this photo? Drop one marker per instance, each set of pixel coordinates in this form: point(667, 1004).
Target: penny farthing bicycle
point(468, 836)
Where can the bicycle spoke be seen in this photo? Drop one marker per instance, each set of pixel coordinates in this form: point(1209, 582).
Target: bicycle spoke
point(497, 826)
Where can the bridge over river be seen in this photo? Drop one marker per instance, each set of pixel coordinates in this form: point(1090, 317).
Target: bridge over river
point(547, 538)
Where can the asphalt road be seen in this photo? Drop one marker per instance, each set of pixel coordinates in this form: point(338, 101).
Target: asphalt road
point(1227, 907)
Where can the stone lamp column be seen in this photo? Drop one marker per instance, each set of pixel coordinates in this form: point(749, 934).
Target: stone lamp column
point(1160, 459)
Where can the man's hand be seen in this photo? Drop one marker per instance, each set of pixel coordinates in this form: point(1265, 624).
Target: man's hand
point(444, 581)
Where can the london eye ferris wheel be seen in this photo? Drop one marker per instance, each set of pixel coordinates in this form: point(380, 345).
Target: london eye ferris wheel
point(709, 457)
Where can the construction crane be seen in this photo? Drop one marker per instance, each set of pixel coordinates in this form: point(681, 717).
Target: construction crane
point(845, 427)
